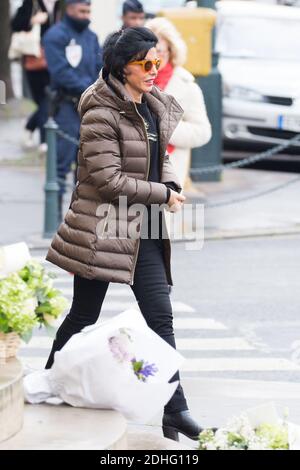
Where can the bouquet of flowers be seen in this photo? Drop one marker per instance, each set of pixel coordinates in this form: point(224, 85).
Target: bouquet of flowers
point(50, 301)
point(27, 297)
point(259, 428)
point(17, 307)
point(118, 364)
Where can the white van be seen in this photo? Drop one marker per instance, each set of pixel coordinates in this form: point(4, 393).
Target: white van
point(259, 46)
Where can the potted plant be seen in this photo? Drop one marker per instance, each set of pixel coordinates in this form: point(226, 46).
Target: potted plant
point(27, 299)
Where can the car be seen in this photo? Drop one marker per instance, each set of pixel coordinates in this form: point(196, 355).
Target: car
point(259, 60)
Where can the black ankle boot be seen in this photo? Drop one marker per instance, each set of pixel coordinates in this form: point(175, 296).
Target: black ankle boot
point(182, 422)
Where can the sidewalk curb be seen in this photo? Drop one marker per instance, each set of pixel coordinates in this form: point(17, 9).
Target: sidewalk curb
point(151, 441)
point(223, 235)
point(37, 242)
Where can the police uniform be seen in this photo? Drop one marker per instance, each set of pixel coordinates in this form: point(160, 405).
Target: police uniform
point(74, 59)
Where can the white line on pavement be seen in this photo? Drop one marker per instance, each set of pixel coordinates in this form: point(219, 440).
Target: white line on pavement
point(238, 364)
point(110, 293)
point(189, 323)
point(183, 344)
point(213, 344)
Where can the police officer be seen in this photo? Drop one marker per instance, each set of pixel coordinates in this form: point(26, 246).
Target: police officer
point(74, 59)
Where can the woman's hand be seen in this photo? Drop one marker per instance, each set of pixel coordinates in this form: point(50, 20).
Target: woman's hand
point(40, 18)
point(176, 201)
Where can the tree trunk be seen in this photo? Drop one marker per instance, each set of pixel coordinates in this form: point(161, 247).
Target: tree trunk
point(5, 34)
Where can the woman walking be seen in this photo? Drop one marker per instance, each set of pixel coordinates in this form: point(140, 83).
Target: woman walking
point(126, 124)
point(44, 13)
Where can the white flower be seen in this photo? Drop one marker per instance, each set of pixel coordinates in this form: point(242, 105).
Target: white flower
point(50, 319)
point(30, 306)
point(210, 446)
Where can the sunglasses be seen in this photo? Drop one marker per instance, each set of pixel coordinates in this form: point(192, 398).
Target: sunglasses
point(147, 64)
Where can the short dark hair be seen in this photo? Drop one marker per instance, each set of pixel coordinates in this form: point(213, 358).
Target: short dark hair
point(124, 46)
point(132, 5)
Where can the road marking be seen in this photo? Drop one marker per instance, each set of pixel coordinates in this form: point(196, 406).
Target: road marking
point(190, 323)
point(37, 342)
point(238, 364)
point(68, 291)
point(244, 364)
point(213, 344)
point(183, 344)
point(186, 323)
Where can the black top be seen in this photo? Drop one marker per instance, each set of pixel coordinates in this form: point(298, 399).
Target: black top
point(151, 123)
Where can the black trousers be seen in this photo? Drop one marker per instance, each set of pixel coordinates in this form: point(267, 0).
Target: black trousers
point(152, 294)
point(38, 81)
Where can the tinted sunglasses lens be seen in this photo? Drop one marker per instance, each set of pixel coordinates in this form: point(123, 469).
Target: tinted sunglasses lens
point(157, 64)
point(148, 66)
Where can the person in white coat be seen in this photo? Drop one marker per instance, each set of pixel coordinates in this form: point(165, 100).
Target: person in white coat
point(194, 130)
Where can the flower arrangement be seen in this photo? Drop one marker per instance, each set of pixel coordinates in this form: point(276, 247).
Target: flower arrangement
point(121, 348)
point(241, 433)
point(50, 301)
point(17, 306)
point(27, 299)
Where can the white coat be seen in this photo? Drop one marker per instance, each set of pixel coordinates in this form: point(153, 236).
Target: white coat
point(194, 130)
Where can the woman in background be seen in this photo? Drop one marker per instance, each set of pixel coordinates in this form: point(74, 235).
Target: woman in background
point(194, 130)
point(44, 13)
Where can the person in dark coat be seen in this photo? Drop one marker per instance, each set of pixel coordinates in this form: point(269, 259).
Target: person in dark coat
point(74, 58)
point(133, 14)
point(45, 13)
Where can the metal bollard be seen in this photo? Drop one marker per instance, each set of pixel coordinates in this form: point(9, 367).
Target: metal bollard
point(51, 187)
point(211, 85)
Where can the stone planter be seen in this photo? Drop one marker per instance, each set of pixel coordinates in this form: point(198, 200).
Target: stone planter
point(11, 399)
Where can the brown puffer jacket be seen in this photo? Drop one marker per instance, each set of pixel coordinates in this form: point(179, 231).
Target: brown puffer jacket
point(113, 161)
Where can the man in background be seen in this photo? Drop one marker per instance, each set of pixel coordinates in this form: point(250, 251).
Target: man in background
point(133, 14)
point(74, 60)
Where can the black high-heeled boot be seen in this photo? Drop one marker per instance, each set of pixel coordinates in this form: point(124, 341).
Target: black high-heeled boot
point(182, 422)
